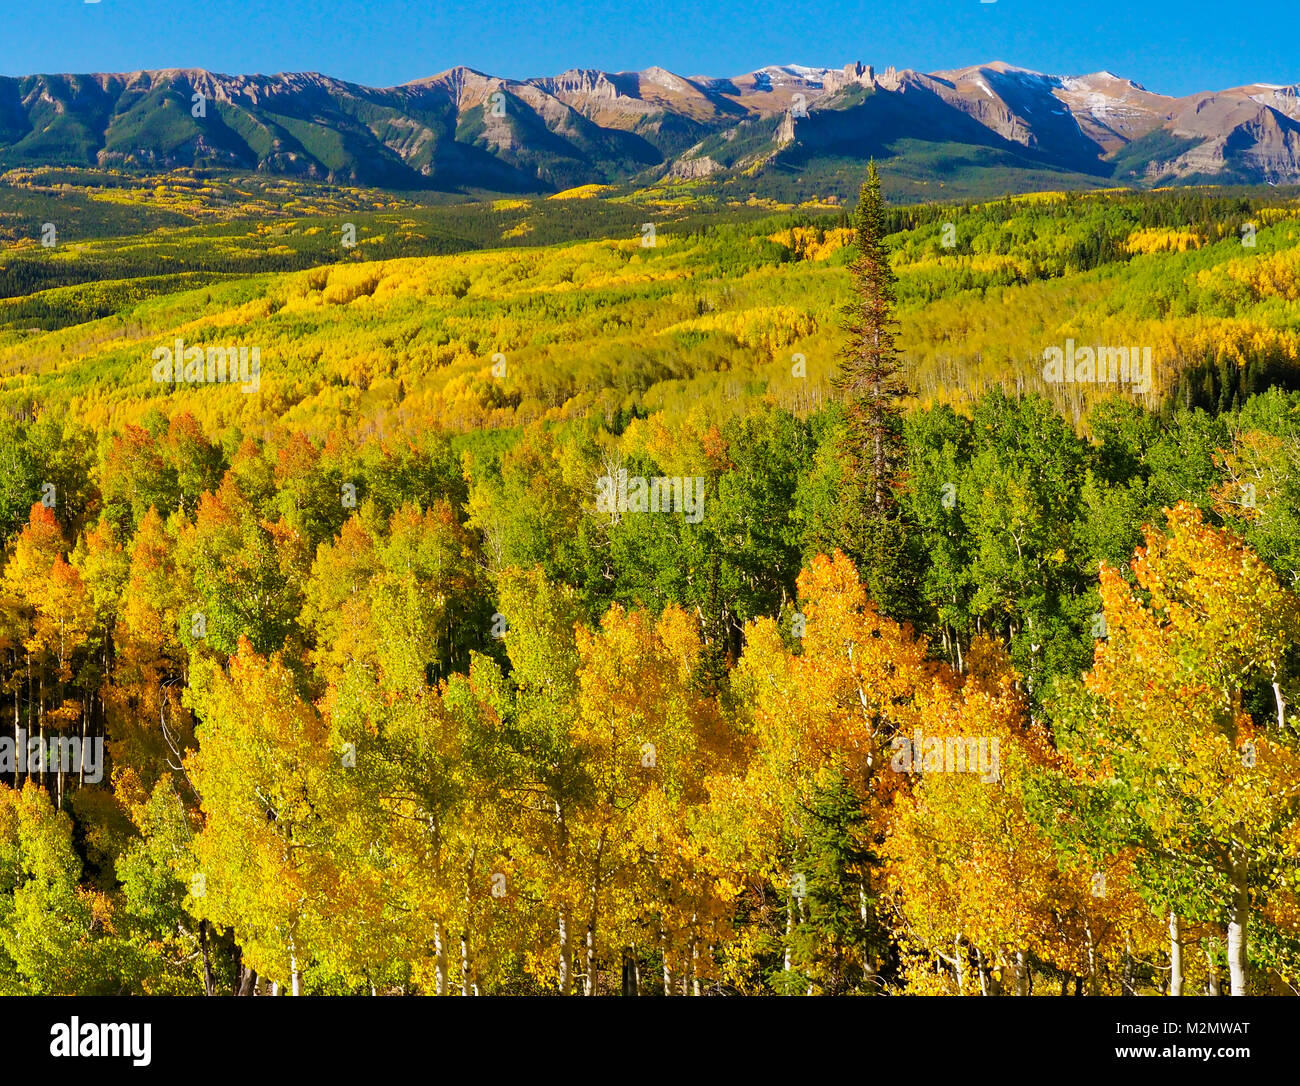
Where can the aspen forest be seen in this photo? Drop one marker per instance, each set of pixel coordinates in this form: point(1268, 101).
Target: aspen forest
point(553, 613)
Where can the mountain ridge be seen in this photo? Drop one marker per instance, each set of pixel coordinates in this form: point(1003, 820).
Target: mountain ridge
point(465, 130)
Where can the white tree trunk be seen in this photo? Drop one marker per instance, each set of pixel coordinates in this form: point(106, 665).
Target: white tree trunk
point(566, 953)
point(295, 974)
point(1175, 957)
point(440, 957)
point(1238, 918)
point(668, 966)
point(1094, 978)
point(789, 933)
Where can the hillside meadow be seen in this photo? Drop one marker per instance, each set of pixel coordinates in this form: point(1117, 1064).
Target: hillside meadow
point(706, 317)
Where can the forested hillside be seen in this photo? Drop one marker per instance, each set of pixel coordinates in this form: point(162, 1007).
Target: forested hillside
point(510, 626)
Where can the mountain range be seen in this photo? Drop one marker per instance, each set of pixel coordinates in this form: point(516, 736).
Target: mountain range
point(788, 130)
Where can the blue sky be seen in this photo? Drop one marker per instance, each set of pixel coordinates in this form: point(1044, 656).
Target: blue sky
point(1170, 46)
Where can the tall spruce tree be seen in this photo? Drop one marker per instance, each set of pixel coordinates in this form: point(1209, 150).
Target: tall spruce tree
point(868, 379)
point(871, 388)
